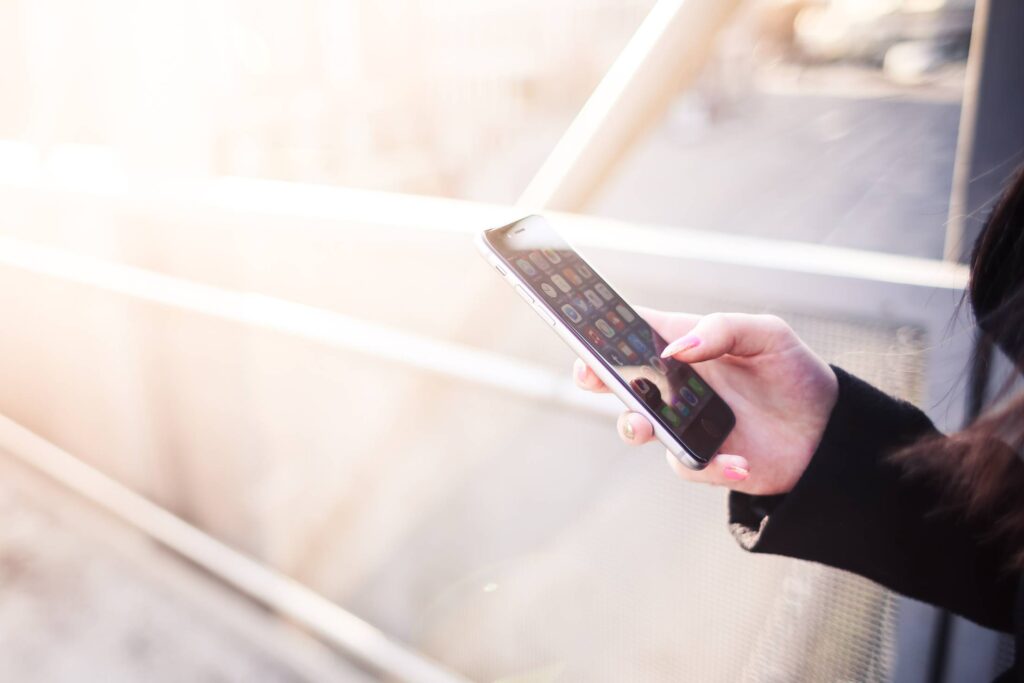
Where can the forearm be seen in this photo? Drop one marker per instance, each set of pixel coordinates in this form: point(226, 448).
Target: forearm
point(855, 509)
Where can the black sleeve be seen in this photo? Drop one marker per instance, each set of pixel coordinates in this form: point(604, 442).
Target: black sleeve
point(855, 509)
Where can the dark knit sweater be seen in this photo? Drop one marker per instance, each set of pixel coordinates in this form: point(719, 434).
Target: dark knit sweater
point(855, 509)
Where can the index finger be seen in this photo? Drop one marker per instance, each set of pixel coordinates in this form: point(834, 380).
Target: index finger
point(669, 325)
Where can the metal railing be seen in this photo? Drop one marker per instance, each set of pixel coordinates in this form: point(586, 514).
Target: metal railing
point(837, 281)
point(286, 597)
point(664, 55)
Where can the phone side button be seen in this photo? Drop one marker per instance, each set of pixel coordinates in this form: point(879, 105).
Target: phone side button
point(545, 316)
point(523, 293)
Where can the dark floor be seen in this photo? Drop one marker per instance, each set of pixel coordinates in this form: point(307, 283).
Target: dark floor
point(830, 155)
point(865, 173)
point(83, 598)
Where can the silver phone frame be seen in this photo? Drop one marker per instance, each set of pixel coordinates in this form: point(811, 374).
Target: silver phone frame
point(614, 384)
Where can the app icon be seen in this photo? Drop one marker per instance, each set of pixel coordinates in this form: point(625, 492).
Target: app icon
point(605, 328)
point(615, 320)
point(572, 276)
point(637, 343)
point(697, 386)
point(670, 416)
point(689, 396)
point(548, 289)
point(594, 336)
point(613, 357)
point(551, 255)
point(658, 364)
point(594, 299)
point(647, 391)
point(526, 267)
point(682, 409)
point(626, 314)
point(603, 290)
point(572, 314)
point(561, 283)
point(626, 350)
point(585, 272)
point(539, 260)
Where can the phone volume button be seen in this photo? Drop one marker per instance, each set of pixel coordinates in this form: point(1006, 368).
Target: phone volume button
point(523, 293)
point(545, 315)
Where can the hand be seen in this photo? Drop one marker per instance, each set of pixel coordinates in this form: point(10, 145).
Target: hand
point(781, 392)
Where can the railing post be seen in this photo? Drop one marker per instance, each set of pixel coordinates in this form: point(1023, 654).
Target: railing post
point(665, 54)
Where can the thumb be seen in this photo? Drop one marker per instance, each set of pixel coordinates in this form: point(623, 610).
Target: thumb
point(733, 334)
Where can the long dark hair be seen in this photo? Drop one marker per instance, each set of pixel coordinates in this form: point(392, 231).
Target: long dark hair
point(980, 466)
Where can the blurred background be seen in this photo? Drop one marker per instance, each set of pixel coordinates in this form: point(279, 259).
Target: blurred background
point(266, 415)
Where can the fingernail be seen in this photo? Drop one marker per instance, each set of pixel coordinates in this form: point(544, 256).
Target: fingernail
point(581, 371)
point(736, 473)
point(682, 344)
point(627, 430)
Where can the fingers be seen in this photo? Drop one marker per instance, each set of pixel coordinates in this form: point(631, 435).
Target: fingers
point(669, 325)
point(734, 334)
point(586, 379)
point(726, 470)
point(731, 471)
point(634, 428)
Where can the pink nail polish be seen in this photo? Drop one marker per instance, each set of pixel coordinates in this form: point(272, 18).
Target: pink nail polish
point(735, 473)
point(682, 344)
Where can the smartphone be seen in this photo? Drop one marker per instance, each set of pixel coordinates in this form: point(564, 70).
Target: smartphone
point(618, 345)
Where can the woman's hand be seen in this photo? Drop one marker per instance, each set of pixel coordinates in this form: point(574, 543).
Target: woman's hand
point(781, 392)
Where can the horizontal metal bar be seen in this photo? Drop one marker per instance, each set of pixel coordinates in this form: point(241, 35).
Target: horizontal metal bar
point(769, 254)
point(351, 209)
point(277, 592)
point(307, 322)
point(870, 299)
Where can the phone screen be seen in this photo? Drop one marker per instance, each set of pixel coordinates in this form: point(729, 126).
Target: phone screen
point(559, 278)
